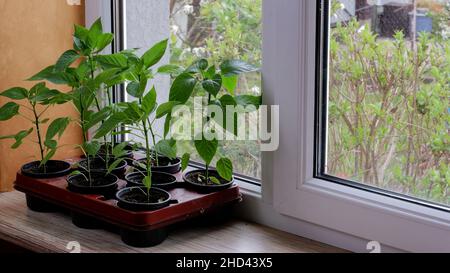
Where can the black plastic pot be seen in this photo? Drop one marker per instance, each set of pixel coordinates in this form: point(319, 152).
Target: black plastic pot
point(98, 165)
point(190, 178)
point(102, 184)
point(53, 168)
point(137, 238)
point(39, 205)
point(165, 181)
point(134, 199)
point(166, 165)
point(85, 222)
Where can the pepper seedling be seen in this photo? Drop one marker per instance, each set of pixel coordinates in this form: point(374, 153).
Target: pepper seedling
point(218, 83)
point(38, 100)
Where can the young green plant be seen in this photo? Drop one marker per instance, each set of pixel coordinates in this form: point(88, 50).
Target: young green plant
point(218, 84)
point(138, 116)
point(37, 101)
point(94, 75)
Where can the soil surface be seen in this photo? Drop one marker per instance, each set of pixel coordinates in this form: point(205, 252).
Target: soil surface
point(139, 197)
point(163, 162)
point(98, 180)
point(200, 178)
point(157, 178)
point(50, 167)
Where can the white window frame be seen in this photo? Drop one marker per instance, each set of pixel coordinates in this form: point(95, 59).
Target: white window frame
point(291, 198)
point(291, 82)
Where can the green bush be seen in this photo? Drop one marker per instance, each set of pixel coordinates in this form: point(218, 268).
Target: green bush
point(388, 111)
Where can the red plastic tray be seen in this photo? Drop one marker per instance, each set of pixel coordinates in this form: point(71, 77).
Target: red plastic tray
point(190, 203)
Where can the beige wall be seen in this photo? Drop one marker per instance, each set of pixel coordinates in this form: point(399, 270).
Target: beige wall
point(33, 34)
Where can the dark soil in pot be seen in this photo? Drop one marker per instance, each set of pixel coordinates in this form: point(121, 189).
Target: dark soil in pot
point(136, 199)
point(98, 164)
point(164, 181)
point(101, 184)
point(166, 165)
point(196, 179)
point(53, 168)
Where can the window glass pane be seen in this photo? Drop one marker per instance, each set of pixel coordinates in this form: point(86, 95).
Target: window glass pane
point(388, 96)
point(218, 30)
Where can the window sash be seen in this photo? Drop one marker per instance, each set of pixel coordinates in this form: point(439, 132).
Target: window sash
point(321, 113)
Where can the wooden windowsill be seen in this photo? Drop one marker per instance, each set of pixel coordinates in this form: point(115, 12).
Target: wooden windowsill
point(51, 232)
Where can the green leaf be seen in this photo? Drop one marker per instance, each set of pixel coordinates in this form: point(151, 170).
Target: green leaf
point(116, 60)
point(43, 74)
point(15, 93)
point(81, 32)
point(211, 72)
point(48, 156)
point(185, 161)
point(8, 111)
point(226, 100)
point(57, 128)
point(166, 108)
point(19, 137)
point(91, 148)
point(245, 100)
point(213, 85)
point(137, 89)
point(95, 32)
point(170, 69)
point(44, 121)
point(110, 124)
point(225, 168)
point(106, 76)
point(198, 66)
point(167, 124)
point(51, 143)
point(149, 102)
point(133, 89)
point(155, 54)
point(119, 150)
point(235, 67)
point(114, 165)
point(97, 27)
point(56, 77)
point(133, 112)
point(103, 41)
point(66, 59)
point(44, 94)
point(182, 88)
point(147, 181)
point(166, 148)
point(230, 83)
point(214, 180)
point(206, 149)
point(97, 117)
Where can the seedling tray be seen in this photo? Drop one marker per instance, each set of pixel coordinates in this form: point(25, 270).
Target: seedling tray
point(139, 229)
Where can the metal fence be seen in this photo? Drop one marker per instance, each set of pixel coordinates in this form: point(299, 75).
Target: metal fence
point(386, 19)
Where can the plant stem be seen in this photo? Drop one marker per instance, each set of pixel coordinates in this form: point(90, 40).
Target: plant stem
point(207, 120)
point(147, 153)
point(97, 105)
point(38, 131)
point(154, 145)
point(85, 139)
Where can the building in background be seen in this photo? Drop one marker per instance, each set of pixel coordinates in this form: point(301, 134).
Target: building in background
point(386, 17)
